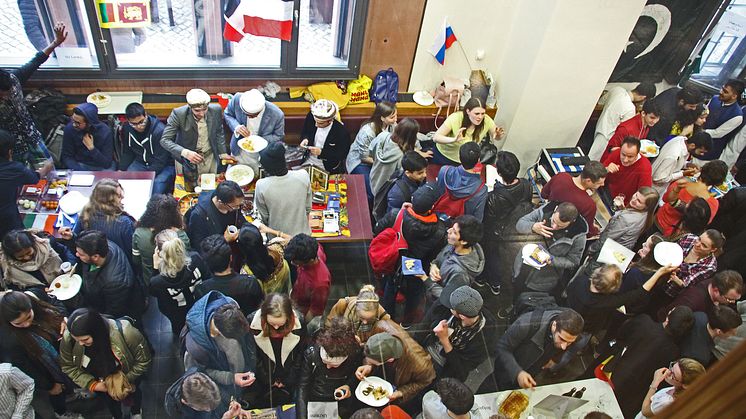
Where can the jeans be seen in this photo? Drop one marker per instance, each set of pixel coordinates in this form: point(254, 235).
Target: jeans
point(441, 160)
point(164, 180)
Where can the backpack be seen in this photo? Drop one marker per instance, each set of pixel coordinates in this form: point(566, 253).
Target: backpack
point(53, 141)
point(506, 225)
point(381, 201)
point(47, 108)
point(452, 206)
point(385, 248)
point(532, 301)
point(385, 87)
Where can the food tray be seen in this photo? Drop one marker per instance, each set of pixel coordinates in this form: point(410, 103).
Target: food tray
point(26, 210)
point(50, 208)
point(35, 190)
point(55, 185)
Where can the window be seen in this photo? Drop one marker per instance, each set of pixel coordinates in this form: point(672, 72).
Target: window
point(184, 39)
point(724, 56)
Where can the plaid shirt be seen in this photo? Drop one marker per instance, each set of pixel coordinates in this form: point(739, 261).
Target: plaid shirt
point(692, 273)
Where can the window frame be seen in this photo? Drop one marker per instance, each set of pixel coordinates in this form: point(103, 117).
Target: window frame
point(288, 69)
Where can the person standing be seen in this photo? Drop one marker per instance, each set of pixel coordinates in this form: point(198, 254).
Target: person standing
point(725, 117)
point(638, 127)
point(674, 160)
point(249, 113)
point(563, 187)
point(628, 170)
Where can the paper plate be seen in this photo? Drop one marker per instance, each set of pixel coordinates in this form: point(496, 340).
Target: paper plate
point(667, 253)
point(526, 255)
point(65, 287)
point(369, 399)
point(649, 148)
point(252, 144)
point(73, 202)
point(101, 100)
point(423, 98)
point(240, 173)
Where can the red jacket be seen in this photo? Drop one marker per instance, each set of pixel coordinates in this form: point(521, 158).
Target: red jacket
point(629, 178)
point(631, 127)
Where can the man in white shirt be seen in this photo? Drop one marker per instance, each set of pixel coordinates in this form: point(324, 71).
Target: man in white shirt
point(671, 163)
point(619, 106)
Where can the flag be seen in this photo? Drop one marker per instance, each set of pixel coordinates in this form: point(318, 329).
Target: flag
point(123, 13)
point(270, 18)
point(443, 41)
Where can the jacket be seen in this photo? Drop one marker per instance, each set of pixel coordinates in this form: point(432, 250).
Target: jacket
point(268, 370)
point(336, 147)
point(400, 192)
point(566, 251)
point(244, 289)
point(144, 148)
point(271, 127)
point(174, 295)
point(424, 238)
point(345, 307)
point(43, 370)
point(181, 131)
point(499, 206)
point(204, 220)
point(414, 370)
point(175, 408)
point(129, 347)
point(386, 160)
point(112, 289)
point(461, 184)
point(119, 230)
point(19, 121)
point(13, 175)
point(317, 382)
point(455, 271)
point(73, 150)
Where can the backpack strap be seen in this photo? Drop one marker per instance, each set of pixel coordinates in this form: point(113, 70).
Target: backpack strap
point(399, 222)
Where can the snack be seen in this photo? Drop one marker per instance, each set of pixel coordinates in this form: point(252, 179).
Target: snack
point(186, 202)
point(541, 257)
point(101, 100)
point(514, 405)
point(207, 181)
point(377, 392)
point(246, 144)
point(241, 174)
point(619, 257)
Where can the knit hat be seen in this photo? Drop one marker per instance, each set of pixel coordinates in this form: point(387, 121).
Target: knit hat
point(424, 198)
point(252, 101)
point(324, 109)
point(272, 158)
point(383, 346)
point(197, 97)
point(465, 300)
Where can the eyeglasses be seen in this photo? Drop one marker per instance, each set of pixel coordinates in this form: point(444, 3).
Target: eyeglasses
point(78, 124)
point(729, 300)
point(670, 368)
point(139, 124)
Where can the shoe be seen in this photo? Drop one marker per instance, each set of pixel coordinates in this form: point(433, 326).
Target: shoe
point(479, 284)
point(495, 289)
point(136, 416)
point(504, 313)
point(68, 415)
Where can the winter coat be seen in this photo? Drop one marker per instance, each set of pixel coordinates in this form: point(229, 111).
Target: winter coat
point(336, 146)
point(245, 289)
point(268, 369)
point(13, 175)
point(462, 184)
point(73, 150)
point(175, 295)
point(455, 271)
point(315, 383)
point(204, 220)
point(425, 236)
point(499, 207)
point(345, 307)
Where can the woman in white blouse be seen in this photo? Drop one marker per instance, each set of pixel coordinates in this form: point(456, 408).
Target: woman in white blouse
point(680, 374)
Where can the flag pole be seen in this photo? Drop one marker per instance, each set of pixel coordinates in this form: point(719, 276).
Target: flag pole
point(463, 51)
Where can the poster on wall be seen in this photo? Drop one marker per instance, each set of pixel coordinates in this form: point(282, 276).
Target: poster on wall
point(123, 14)
point(663, 39)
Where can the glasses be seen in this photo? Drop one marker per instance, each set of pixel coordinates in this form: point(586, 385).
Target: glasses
point(670, 368)
point(730, 300)
point(139, 124)
point(78, 124)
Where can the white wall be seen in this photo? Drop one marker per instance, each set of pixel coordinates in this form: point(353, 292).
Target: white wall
point(551, 60)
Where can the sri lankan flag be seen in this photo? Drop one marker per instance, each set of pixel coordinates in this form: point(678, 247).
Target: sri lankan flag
point(124, 13)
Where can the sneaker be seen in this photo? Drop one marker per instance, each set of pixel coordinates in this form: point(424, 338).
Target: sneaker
point(505, 312)
point(68, 415)
point(479, 284)
point(495, 289)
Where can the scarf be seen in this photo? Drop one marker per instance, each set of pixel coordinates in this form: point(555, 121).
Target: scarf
point(462, 335)
point(45, 260)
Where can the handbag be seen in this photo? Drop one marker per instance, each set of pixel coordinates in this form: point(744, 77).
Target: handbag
point(446, 95)
point(118, 387)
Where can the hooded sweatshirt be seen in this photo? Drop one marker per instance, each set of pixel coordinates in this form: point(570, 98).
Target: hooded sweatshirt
point(145, 147)
point(174, 295)
point(13, 175)
point(462, 183)
point(73, 150)
point(386, 160)
point(455, 271)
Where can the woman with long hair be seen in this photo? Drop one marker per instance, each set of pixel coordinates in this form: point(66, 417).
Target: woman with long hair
point(161, 213)
point(177, 271)
point(470, 124)
point(689, 122)
point(107, 357)
point(279, 335)
point(363, 312)
point(680, 375)
point(30, 330)
point(266, 263)
point(700, 261)
point(29, 260)
point(105, 212)
point(359, 160)
point(388, 148)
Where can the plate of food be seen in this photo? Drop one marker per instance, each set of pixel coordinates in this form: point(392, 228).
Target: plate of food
point(187, 201)
point(101, 100)
point(240, 173)
point(65, 286)
point(649, 148)
point(252, 144)
point(207, 181)
point(514, 405)
point(374, 391)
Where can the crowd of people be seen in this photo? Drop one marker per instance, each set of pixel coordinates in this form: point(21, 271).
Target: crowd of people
point(249, 303)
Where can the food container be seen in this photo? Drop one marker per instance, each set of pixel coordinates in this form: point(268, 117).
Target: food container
point(48, 205)
point(34, 190)
point(27, 204)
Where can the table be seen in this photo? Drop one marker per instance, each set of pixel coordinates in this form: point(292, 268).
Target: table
point(137, 186)
point(357, 212)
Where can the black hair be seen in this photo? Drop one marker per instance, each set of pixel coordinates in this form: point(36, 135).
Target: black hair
point(216, 252)
point(714, 172)
point(5, 83)
point(594, 170)
point(46, 324)
point(16, 241)
point(696, 216)
point(690, 95)
point(646, 89)
point(230, 321)
point(455, 395)
point(737, 86)
point(469, 155)
point(570, 321)
point(254, 252)
point(470, 229)
point(80, 113)
point(134, 110)
point(412, 161)
point(405, 134)
point(227, 191)
point(7, 141)
point(161, 213)
point(633, 141)
point(507, 165)
point(93, 242)
point(567, 211)
point(724, 318)
point(700, 139)
point(382, 110)
point(89, 322)
point(651, 107)
point(301, 248)
point(680, 321)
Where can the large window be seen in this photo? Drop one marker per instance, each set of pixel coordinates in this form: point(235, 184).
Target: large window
point(724, 56)
point(184, 39)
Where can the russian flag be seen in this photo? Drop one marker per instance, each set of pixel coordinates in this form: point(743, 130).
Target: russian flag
point(444, 39)
point(270, 18)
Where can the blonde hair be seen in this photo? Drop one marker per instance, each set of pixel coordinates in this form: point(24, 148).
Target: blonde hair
point(172, 251)
point(607, 279)
point(104, 201)
point(691, 369)
point(367, 299)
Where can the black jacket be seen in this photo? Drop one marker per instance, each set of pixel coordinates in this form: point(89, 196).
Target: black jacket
point(596, 309)
point(245, 289)
point(13, 175)
point(499, 206)
point(316, 384)
point(336, 147)
point(174, 295)
point(425, 239)
point(269, 369)
point(145, 147)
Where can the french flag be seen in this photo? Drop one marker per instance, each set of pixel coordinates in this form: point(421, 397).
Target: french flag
point(270, 18)
point(443, 41)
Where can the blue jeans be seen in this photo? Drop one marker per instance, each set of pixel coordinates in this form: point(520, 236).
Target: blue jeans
point(164, 180)
point(364, 169)
point(413, 290)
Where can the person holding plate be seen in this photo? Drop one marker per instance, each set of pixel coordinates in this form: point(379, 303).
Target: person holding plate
point(30, 260)
point(674, 160)
point(249, 113)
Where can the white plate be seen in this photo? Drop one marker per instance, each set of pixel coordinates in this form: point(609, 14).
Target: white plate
point(69, 286)
point(649, 148)
point(257, 143)
point(101, 100)
point(72, 202)
point(207, 181)
point(526, 255)
point(240, 173)
point(369, 399)
point(667, 253)
point(423, 98)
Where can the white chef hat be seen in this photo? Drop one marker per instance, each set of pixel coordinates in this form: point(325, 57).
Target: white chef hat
point(324, 109)
point(197, 97)
point(252, 101)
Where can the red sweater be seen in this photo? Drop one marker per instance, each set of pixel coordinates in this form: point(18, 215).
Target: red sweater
point(311, 289)
point(629, 178)
point(631, 127)
point(561, 188)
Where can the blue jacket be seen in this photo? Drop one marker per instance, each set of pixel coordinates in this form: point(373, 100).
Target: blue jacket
point(271, 128)
point(73, 150)
point(462, 184)
point(13, 175)
point(398, 195)
point(145, 147)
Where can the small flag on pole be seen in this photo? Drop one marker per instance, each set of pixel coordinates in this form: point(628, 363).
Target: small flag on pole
point(444, 39)
point(270, 18)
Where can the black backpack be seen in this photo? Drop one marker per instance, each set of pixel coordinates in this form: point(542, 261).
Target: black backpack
point(532, 302)
point(47, 107)
point(506, 225)
point(381, 201)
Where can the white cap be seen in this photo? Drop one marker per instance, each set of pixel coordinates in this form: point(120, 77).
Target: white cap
point(252, 101)
point(324, 109)
point(197, 97)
